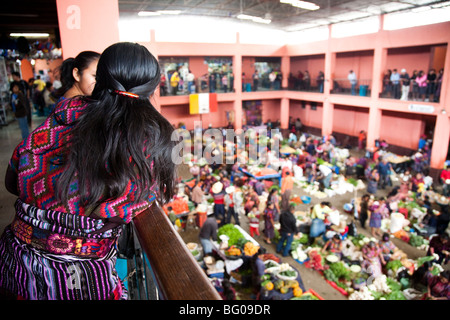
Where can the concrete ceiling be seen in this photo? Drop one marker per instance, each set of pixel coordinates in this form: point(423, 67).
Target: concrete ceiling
point(283, 16)
point(41, 15)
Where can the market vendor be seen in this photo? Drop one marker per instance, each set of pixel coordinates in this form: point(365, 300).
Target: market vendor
point(334, 246)
point(373, 259)
point(438, 287)
point(257, 268)
point(389, 250)
point(318, 215)
point(208, 233)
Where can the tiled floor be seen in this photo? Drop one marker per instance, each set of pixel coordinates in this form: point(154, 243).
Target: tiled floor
point(10, 137)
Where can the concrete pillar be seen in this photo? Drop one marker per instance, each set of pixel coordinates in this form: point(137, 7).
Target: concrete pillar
point(285, 70)
point(87, 25)
point(379, 64)
point(237, 70)
point(284, 113)
point(441, 140)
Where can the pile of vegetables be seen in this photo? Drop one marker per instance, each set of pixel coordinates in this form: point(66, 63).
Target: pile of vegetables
point(382, 288)
point(178, 205)
point(416, 240)
point(233, 234)
point(233, 251)
point(250, 248)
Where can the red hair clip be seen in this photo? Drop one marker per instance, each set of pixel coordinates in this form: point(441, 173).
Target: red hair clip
point(127, 94)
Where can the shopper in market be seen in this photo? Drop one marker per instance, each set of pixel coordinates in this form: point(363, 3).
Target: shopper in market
point(287, 184)
point(375, 217)
point(218, 195)
point(363, 213)
point(19, 107)
point(288, 229)
point(74, 222)
point(269, 223)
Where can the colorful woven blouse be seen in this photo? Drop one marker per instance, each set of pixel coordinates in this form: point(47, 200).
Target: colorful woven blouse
point(38, 164)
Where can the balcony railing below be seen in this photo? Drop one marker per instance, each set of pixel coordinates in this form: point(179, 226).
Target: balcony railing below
point(177, 274)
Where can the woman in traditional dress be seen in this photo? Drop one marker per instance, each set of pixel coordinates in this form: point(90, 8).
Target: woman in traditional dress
point(91, 167)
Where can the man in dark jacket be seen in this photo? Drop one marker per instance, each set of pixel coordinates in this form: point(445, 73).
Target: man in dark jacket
point(208, 233)
point(288, 228)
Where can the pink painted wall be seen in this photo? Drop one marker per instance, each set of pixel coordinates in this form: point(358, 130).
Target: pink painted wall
point(197, 66)
point(401, 129)
point(50, 65)
point(26, 70)
point(313, 64)
point(360, 62)
point(87, 25)
point(271, 110)
point(180, 113)
point(248, 67)
point(415, 58)
point(350, 120)
point(309, 117)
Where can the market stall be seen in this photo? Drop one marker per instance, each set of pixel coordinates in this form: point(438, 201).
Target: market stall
point(280, 280)
point(262, 174)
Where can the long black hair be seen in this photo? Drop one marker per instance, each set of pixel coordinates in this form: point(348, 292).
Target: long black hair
point(81, 62)
point(119, 139)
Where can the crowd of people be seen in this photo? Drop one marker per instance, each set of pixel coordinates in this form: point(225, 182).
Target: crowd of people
point(269, 213)
point(418, 85)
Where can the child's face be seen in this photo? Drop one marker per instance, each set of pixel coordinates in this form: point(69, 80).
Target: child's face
point(15, 89)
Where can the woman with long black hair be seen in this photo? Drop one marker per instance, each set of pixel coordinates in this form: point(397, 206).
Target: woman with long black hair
point(92, 166)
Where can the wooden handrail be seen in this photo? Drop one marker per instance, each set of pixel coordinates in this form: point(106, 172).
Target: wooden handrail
point(177, 273)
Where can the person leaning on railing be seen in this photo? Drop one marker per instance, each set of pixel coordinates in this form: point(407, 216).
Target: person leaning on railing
point(95, 164)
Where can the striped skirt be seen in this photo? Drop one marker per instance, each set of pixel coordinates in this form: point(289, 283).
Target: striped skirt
point(51, 255)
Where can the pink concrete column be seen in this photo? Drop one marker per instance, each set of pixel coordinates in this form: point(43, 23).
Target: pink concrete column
point(327, 117)
point(441, 136)
point(373, 130)
point(379, 63)
point(285, 69)
point(87, 25)
point(328, 107)
point(284, 113)
point(237, 70)
point(441, 139)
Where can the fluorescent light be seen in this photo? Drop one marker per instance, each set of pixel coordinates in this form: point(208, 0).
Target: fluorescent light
point(148, 13)
point(158, 13)
point(169, 11)
point(30, 35)
point(253, 18)
point(301, 4)
point(421, 9)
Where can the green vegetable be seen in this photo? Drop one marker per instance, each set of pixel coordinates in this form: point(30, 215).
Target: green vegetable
point(340, 271)
point(416, 240)
point(329, 275)
point(422, 260)
point(231, 232)
point(393, 284)
point(288, 273)
point(394, 265)
point(305, 297)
